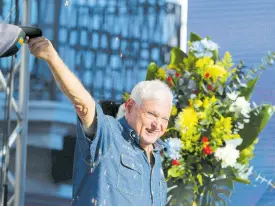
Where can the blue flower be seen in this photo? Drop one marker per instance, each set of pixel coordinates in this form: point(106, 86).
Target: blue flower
point(197, 46)
point(209, 45)
point(173, 148)
point(203, 48)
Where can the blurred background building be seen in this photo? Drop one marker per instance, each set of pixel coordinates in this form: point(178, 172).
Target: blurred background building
point(108, 45)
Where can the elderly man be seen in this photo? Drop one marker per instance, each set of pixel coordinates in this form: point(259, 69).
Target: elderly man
point(116, 162)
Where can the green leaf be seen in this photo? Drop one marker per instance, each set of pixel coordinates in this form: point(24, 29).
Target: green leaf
point(229, 172)
point(224, 191)
point(219, 200)
point(175, 172)
point(216, 198)
point(151, 70)
point(247, 91)
point(176, 56)
point(194, 37)
point(216, 55)
point(208, 169)
point(225, 182)
point(212, 191)
point(182, 195)
point(251, 130)
point(126, 96)
point(204, 198)
point(199, 177)
point(247, 153)
point(239, 180)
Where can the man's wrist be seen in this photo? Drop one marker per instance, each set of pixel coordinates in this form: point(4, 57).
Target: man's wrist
point(53, 58)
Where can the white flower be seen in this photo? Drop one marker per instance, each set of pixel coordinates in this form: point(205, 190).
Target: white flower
point(121, 111)
point(218, 178)
point(228, 154)
point(193, 96)
point(233, 95)
point(243, 171)
point(240, 125)
point(173, 148)
point(246, 120)
point(240, 106)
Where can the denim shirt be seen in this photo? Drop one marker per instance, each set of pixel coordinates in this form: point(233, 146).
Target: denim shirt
point(112, 169)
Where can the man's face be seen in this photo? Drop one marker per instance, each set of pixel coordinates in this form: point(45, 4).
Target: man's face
point(149, 120)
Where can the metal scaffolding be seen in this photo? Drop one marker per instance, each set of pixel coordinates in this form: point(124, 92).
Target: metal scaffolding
point(19, 134)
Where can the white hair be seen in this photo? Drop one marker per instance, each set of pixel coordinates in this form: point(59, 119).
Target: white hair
point(153, 89)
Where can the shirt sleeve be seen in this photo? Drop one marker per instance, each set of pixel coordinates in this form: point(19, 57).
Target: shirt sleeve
point(95, 149)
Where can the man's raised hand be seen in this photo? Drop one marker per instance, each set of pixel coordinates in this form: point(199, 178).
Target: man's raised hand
point(41, 48)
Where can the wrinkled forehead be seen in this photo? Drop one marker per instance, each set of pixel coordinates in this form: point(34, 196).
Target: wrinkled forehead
point(157, 104)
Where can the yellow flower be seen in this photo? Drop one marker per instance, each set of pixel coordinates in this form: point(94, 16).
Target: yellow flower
point(198, 103)
point(195, 138)
point(222, 130)
point(206, 102)
point(219, 142)
point(213, 100)
point(161, 74)
point(227, 124)
point(202, 62)
point(188, 145)
point(226, 62)
point(187, 118)
point(209, 101)
point(195, 102)
point(214, 71)
point(174, 111)
point(186, 123)
point(201, 115)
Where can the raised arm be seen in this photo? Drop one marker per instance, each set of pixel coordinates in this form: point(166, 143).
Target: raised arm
point(83, 102)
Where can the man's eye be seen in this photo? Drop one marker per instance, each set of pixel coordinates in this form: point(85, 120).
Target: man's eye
point(165, 119)
point(151, 114)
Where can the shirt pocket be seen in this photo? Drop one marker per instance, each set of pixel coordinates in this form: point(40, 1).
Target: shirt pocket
point(130, 176)
point(163, 191)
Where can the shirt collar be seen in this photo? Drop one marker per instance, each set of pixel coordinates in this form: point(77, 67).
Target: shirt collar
point(129, 130)
point(158, 145)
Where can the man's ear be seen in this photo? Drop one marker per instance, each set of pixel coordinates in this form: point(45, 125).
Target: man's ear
point(129, 105)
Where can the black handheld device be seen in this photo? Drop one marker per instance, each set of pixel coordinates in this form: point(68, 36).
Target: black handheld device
point(31, 32)
point(13, 37)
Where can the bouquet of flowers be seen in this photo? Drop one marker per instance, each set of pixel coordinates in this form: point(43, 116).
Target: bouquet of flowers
point(213, 127)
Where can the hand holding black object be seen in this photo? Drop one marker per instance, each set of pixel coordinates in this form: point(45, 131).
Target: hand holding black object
point(13, 37)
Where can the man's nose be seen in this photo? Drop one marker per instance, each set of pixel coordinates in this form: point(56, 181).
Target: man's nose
point(157, 123)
